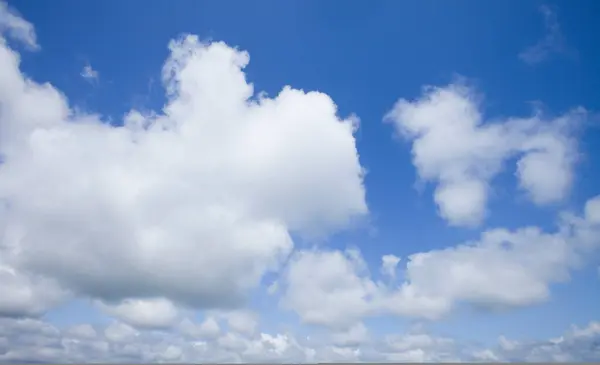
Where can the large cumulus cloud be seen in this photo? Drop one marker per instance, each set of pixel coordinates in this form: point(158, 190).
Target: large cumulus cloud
point(193, 203)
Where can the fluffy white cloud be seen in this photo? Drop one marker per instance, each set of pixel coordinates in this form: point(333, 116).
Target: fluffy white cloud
point(242, 321)
point(27, 294)
point(502, 269)
point(453, 147)
point(419, 347)
point(389, 265)
point(592, 210)
point(352, 337)
point(330, 288)
point(144, 313)
point(333, 289)
point(193, 204)
point(34, 341)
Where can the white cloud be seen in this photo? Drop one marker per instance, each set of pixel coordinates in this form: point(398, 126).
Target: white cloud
point(85, 331)
point(241, 321)
point(89, 74)
point(25, 294)
point(120, 332)
point(16, 27)
point(354, 336)
point(147, 313)
point(208, 329)
point(575, 345)
point(389, 264)
point(328, 288)
point(193, 205)
point(552, 42)
point(34, 340)
point(592, 210)
point(502, 269)
point(419, 347)
point(454, 148)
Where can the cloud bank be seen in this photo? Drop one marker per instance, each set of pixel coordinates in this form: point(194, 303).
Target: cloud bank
point(33, 340)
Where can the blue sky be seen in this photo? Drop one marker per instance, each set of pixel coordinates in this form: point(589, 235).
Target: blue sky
point(153, 200)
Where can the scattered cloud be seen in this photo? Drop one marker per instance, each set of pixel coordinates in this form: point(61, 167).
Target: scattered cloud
point(575, 345)
point(26, 340)
point(189, 207)
point(502, 269)
point(552, 42)
point(89, 74)
point(454, 147)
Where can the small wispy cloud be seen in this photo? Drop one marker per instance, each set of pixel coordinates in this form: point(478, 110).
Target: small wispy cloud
point(89, 74)
point(553, 41)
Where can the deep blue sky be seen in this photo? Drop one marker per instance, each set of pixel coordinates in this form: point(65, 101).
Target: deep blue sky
point(365, 55)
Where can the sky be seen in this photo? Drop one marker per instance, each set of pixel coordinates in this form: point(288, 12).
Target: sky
point(299, 181)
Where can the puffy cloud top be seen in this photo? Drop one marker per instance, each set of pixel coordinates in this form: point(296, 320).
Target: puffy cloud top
point(455, 149)
point(194, 203)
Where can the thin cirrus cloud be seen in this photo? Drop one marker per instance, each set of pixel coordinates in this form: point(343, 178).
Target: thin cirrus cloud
point(184, 211)
point(553, 41)
point(89, 74)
